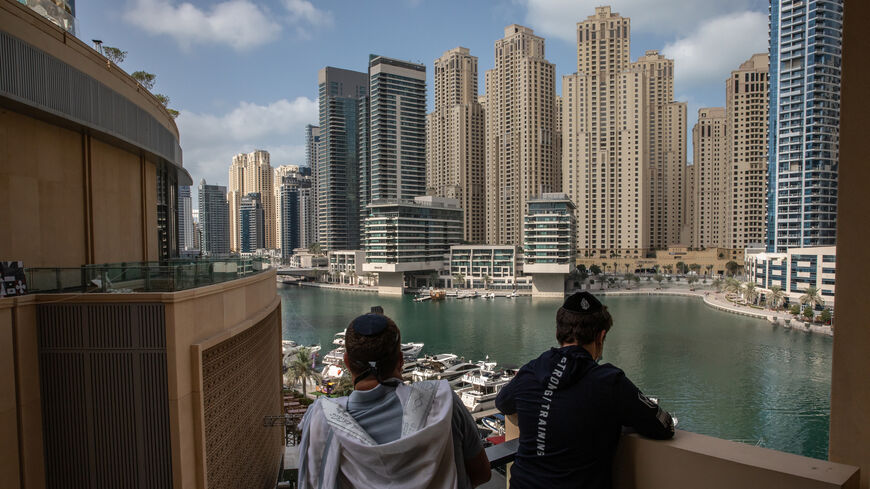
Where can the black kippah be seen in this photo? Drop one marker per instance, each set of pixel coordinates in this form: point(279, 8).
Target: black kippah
point(582, 302)
point(370, 324)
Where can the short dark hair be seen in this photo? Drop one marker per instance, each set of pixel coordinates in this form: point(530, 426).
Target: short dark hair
point(583, 328)
point(383, 348)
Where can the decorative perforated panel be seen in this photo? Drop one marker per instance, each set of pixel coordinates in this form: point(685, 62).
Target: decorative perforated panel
point(105, 398)
point(242, 385)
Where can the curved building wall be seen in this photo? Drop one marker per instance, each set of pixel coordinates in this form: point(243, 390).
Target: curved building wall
point(81, 148)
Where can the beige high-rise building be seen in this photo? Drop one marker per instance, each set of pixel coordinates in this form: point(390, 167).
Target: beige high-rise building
point(666, 149)
point(687, 233)
point(710, 188)
point(746, 112)
point(455, 162)
point(251, 172)
point(623, 143)
point(277, 178)
point(521, 141)
point(730, 160)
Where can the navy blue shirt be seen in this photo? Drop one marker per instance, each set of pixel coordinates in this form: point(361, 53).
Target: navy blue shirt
point(570, 412)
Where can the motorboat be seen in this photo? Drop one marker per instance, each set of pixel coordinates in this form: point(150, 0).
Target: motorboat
point(495, 423)
point(410, 351)
point(456, 371)
point(338, 339)
point(422, 298)
point(335, 357)
point(483, 388)
point(491, 295)
point(431, 365)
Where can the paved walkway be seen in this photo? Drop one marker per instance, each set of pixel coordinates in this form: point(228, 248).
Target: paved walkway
point(718, 301)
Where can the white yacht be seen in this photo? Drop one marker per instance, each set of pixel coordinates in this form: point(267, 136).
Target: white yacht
point(338, 340)
point(482, 388)
point(431, 365)
point(332, 371)
point(410, 351)
point(456, 371)
point(335, 357)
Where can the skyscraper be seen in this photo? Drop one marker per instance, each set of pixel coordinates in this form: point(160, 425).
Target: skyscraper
point(623, 143)
point(282, 174)
point(605, 140)
point(292, 206)
point(214, 219)
point(666, 149)
point(730, 158)
point(455, 161)
point(185, 219)
point(805, 55)
point(710, 191)
point(312, 145)
point(746, 112)
point(252, 173)
point(252, 219)
point(521, 160)
point(337, 171)
point(397, 124)
point(307, 221)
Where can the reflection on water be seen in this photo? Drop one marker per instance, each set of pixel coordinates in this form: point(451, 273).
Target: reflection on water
point(723, 375)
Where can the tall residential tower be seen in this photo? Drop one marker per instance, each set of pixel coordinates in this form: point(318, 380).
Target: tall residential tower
point(805, 56)
point(521, 141)
point(251, 173)
point(455, 160)
point(337, 169)
point(397, 128)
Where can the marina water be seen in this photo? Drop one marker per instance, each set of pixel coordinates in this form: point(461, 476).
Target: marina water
point(721, 374)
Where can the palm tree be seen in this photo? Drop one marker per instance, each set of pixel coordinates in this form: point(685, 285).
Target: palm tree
point(776, 296)
point(658, 278)
point(691, 280)
point(604, 264)
point(812, 297)
point(458, 278)
point(486, 281)
point(732, 285)
point(301, 369)
point(695, 267)
point(718, 283)
point(314, 248)
point(709, 269)
point(750, 292)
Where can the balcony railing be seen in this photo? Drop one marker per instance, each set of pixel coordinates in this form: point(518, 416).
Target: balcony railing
point(133, 277)
point(690, 460)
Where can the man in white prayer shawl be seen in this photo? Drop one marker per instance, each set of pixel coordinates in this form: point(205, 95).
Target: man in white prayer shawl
point(386, 433)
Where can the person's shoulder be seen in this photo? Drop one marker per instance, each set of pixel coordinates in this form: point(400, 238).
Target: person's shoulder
point(607, 372)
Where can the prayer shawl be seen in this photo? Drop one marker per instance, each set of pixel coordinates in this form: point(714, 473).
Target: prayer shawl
point(336, 452)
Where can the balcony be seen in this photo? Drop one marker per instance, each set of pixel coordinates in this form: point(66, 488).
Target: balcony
point(135, 277)
point(690, 460)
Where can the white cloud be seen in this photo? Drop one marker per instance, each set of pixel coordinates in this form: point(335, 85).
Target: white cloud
point(558, 18)
point(304, 16)
point(210, 141)
point(304, 11)
point(239, 24)
point(716, 47)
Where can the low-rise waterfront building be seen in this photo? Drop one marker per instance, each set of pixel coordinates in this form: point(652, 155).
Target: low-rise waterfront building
point(795, 271)
point(347, 265)
point(549, 237)
point(485, 266)
point(409, 235)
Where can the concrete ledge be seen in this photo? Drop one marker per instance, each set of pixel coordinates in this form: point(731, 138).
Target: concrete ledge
point(692, 460)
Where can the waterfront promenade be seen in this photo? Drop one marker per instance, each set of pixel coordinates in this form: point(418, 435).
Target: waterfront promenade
point(706, 292)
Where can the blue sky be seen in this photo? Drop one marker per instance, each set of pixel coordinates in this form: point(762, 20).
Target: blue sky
point(243, 73)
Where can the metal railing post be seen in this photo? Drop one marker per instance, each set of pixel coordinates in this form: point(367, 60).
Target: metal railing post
point(103, 279)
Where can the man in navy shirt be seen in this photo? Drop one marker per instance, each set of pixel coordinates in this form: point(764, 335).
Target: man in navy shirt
point(571, 410)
